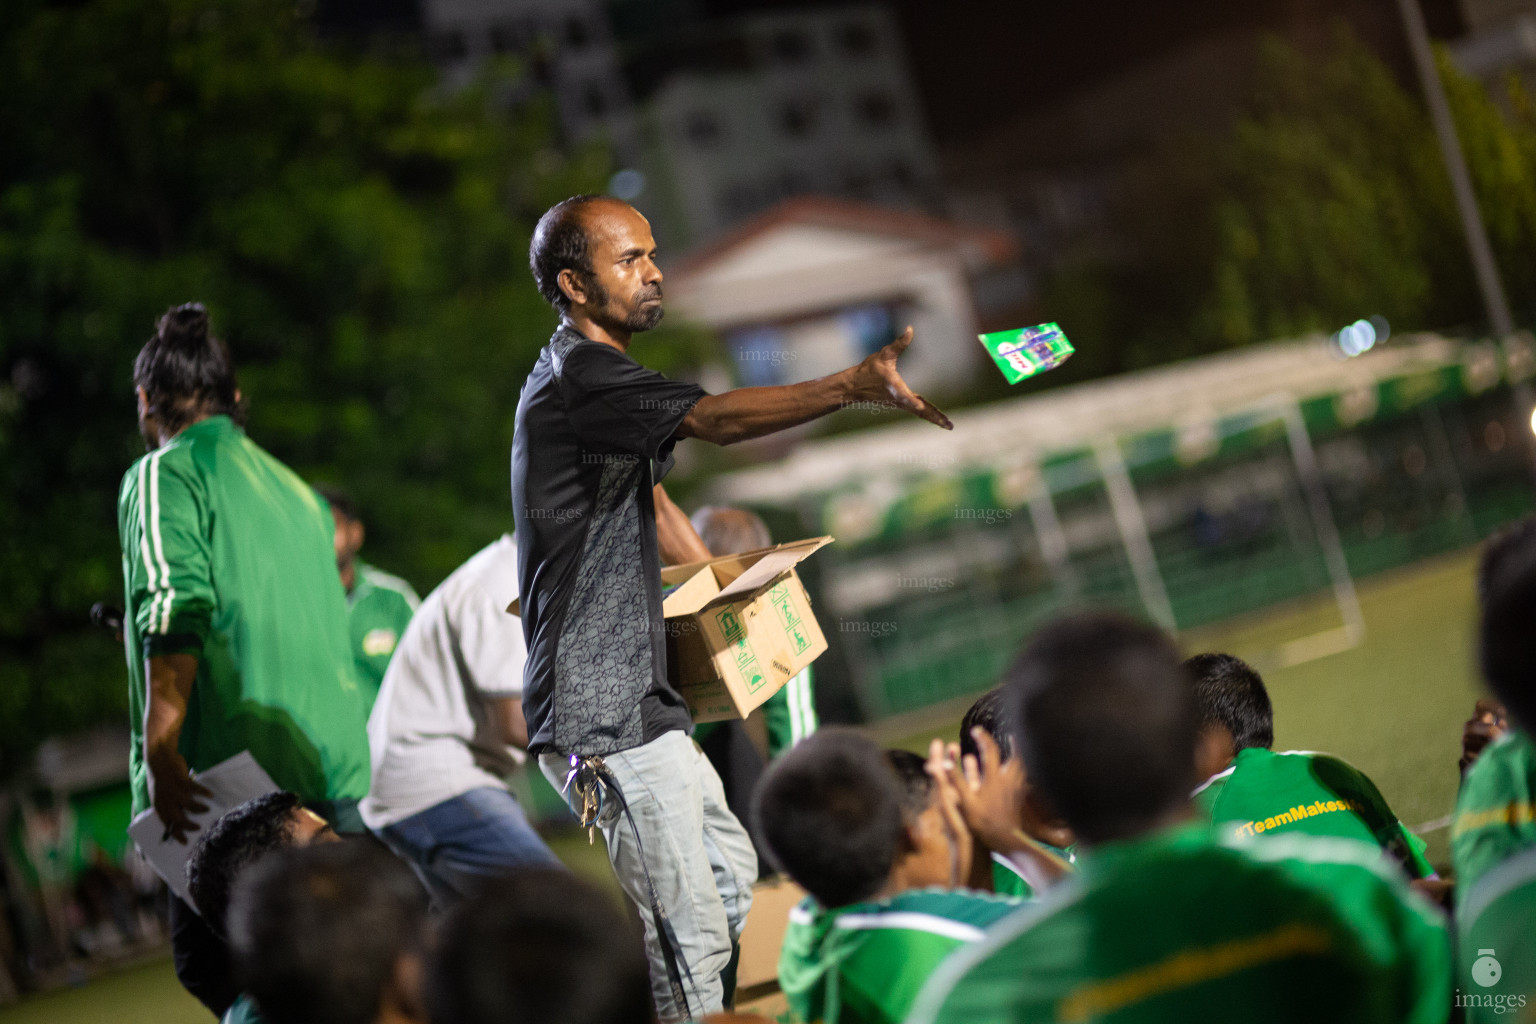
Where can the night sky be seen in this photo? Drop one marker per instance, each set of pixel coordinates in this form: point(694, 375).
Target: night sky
point(980, 63)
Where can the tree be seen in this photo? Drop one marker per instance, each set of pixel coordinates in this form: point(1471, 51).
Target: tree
point(1326, 202)
point(359, 236)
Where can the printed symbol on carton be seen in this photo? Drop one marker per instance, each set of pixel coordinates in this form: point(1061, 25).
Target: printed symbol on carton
point(801, 643)
point(779, 595)
point(730, 625)
point(746, 664)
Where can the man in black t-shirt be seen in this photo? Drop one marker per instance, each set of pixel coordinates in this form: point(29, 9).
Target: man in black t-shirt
point(594, 437)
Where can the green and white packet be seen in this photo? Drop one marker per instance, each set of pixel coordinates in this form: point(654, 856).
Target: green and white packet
point(1024, 352)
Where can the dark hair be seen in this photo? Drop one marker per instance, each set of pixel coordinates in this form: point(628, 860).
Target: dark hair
point(730, 531)
point(1105, 721)
point(1229, 693)
point(185, 372)
point(829, 812)
point(240, 838)
point(340, 501)
point(916, 784)
point(560, 243)
point(317, 930)
point(989, 713)
point(537, 945)
point(1506, 552)
point(1507, 639)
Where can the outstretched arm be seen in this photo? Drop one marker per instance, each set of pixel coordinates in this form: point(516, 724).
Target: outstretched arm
point(746, 413)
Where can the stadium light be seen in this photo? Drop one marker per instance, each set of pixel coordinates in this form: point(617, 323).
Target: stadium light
point(1533, 421)
point(1361, 336)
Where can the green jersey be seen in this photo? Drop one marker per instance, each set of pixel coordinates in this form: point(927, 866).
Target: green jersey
point(1495, 810)
point(1007, 880)
point(1496, 947)
point(1299, 791)
point(379, 608)
point(1174, 926)
point(865, 963)
point(228, 555)
point(790, 715)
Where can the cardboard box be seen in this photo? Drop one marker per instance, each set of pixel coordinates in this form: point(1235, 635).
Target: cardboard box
point(738, 628)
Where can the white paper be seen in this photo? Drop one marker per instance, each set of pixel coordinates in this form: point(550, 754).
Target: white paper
point(231, 784)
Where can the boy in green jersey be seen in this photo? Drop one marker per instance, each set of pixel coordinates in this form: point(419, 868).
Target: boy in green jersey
point(379, 606)
point(1496, 943)
point(992, 870)
point(1496, 912)
point(868, 836)
point(1496, 807)
point(1161, 923)
point(234, 621)
point(1259, 791)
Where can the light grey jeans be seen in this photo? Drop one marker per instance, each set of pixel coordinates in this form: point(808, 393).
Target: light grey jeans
point(700, 859)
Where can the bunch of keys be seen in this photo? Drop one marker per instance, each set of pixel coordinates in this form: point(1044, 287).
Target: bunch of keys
point(585, 776)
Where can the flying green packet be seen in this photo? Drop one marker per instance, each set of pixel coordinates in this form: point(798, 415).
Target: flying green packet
point(1022, 353)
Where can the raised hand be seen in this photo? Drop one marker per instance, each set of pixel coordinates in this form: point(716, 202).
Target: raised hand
point(879, 381)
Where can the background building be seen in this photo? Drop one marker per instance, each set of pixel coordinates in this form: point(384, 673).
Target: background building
point(765, 108)
point(1500, 40)
point(566, 46)
point(814, 285)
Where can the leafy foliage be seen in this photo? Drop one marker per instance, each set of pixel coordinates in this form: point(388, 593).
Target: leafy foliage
point(359, 238)
point(1327, 202)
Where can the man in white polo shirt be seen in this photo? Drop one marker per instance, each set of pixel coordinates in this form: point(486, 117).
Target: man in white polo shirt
point(448, 728)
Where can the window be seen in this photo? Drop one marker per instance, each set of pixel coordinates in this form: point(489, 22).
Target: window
point(797, 117)
point(594, 100)
point(450, 46)
point(738, 201)
point(876, 109)
point(857, 39)
point(702, 129)
point(506, 37)
point(791, 46)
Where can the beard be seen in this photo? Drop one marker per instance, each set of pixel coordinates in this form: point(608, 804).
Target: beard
point(639, 315)
point(642, 316)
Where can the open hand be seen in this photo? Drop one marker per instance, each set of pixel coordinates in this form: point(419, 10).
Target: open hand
point(175, 794)
point(962, 840)
point(1488, 723)
point(878, 381)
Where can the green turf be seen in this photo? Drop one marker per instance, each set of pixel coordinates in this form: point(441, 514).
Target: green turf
point(1392, 706)
point(147, 994)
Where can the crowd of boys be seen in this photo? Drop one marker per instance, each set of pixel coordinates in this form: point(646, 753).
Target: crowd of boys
point(1110, 838)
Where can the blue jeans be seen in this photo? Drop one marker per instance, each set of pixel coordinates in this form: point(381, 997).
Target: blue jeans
point(697, 853)
point(455, 845)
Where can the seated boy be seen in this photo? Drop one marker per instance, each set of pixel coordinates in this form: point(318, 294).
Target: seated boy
point(992, 869)
point(866, 835)
point(1496, 808)
point(1161, 923)
point(1263, 792)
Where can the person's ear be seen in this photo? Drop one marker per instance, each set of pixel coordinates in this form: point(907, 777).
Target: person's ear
point(359, 534)
point(1213, 751)
point(570, 284)
point(143, 401)
point(402, 993)
point(910, 839)
point(1042, 821)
